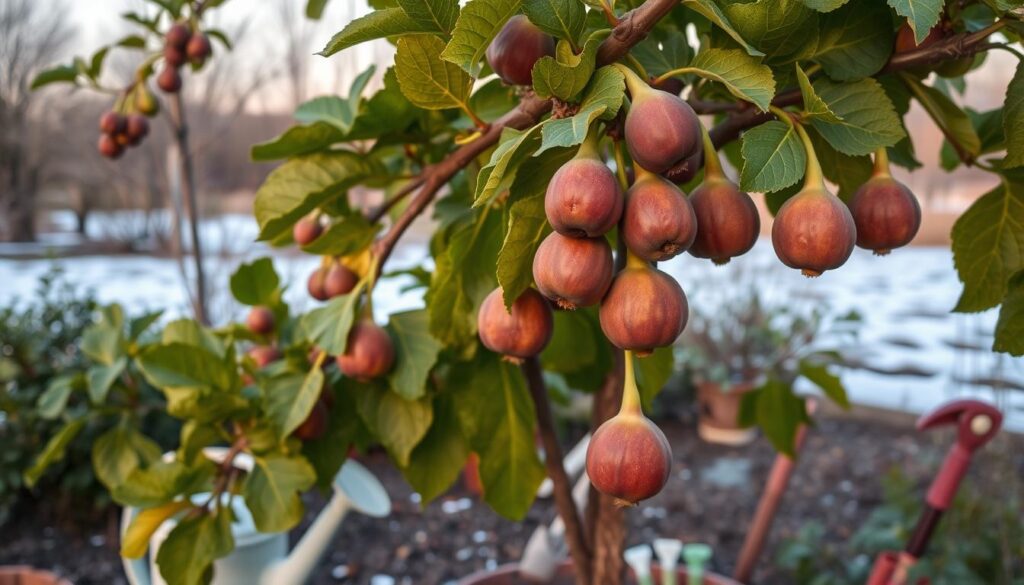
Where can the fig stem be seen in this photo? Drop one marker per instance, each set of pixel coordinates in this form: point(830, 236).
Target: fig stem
point(634, 84)
point(882, 162)
point(590, 148)
point(634, 261)
point(620, 165)
point(813, 179)
point(630, 392)
point(712, 164)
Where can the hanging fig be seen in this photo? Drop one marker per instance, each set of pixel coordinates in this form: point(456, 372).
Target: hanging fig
point(113, 123)
point(178, 35)
point(339, 280)
point(684, 172)
point(573, 272)
point(317, 285)
point(169, 80)
point(315, 424)
point(629, 457)
point(264, 355)
point(644, 309)
point(198, 49)
point(885, 211)
point(306, 230)
point(370, 352)
point(145, 102)
point(516, 48)
point(519, 334)
point(583, 198)
point(136, 129)
point(658, 221)
point(662, 130)
point(260, 320)
point(109, 147)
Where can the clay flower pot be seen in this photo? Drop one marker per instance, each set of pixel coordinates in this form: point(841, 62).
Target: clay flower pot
point(509, 575)
point(20, 575)
point(719, 412)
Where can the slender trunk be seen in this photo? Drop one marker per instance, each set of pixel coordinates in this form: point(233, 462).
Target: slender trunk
point(604, 516)
point(188, 190)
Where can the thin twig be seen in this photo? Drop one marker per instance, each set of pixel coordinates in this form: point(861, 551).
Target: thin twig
point(378, 212)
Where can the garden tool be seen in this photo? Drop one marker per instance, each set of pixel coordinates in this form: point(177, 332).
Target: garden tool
point(547, 549)
point(696, 557)
point(977, 422)
point(771, 497)
point(668, 550)
point(639, 560)
point(263, 558)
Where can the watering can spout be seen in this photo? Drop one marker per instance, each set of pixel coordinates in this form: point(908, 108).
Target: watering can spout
point(355, 488)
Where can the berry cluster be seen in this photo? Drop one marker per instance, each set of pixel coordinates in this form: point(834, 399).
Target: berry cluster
point(181, 45)
point(120, 131)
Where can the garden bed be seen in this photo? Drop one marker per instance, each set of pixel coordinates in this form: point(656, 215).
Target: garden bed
point(710, 498)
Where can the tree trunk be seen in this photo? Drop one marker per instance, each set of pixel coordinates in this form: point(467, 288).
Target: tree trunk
point(604, 516)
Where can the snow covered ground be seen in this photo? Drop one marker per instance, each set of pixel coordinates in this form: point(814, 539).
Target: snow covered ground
point(904, 300)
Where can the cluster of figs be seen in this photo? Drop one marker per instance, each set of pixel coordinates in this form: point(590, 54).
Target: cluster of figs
point(641, 307)
point(182, 45)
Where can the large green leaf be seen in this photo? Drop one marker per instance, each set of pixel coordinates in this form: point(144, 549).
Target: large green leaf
point(163, 481)
point(515, 147)
point(180, 366)
point(780, 413)
point(186, 556)
point(773, 157)
point(784, 30)
point(950, 118)
point(100, 378)
point(327, 327)
point(290, 399)
point(327, 453)
point(436, 15)
point(988, 246)
point(103, 343)
point(299, 140)
point(498, 420)
point(400, 424)
point(1010, 327)
point(710, 10)
point(348, 235)
point(868, 119)
point(744, 76)
point(379, 24)
point(255, 283)
point(54, 450)
point(663, 50)
point(564, 19)
point(527, 226)
point(416, 352)
point(478, 24)
point(272, 491)
point(855, 41)
point(437, 459)
point(54, 400)
point(427, 80)
point(601, 100)
point(566, 74)
point(921, 15)
point(829, 383)
point(824, 5)
point(814, 106)
point(1013, 120)
point(120, 451)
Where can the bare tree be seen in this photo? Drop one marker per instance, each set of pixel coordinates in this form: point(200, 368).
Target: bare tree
point(32, 35)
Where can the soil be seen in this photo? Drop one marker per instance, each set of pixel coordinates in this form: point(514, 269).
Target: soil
point(710, 498)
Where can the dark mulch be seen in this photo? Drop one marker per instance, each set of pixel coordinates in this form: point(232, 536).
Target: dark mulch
point(710, 498)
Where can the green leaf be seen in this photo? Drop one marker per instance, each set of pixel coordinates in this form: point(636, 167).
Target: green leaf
point(478, 24)
point(348, 236)
point(814, 106)
point(400, 424)
point(272, 489)
point(1010, 327)
point(315, 9)
point(100, 378)
point(135, 541)
point(290, 399)
point(436, 15)
point(663, 50)
point(653, 372)
point(742, 75)
point(255, 283)
point(379, 24)
point(779, 414)
point(868, 119)
point(921, 15)
point(328, 326)
point(120, 451)
point(103, 343)
point(439, 458)
point(186, 556)
point(988, 246)
point(1013, 120)
point(190, 332)
point(847, 172)
point(428, 81)
point(59, 74)
point(163, 481)
point(497, 417)
point(416, 352)
point(329, 108)
point(824, 5)
point(784, 30)
point(515, 147)
point(527, 226)
point(180, 366)
point(773, 157)
point(297, 141)
point(601, 101)
point(710, 10)
point(54, 400)
point(564, 19)
point(855, 41)
point(327, 453)
point(947, 115)
point(829, 383)
point(54, 450)
point(302, 184)
point(567, 75)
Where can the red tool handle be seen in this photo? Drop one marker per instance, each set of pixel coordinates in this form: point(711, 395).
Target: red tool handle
point(943, 488)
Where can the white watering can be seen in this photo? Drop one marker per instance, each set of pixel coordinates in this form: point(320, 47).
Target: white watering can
point(262, 558)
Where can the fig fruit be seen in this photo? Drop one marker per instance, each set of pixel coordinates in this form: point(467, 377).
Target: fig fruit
point(306, 230)
point(906, 42)
point(370, 352)
point(658, 222)
point(112, 123)
point(169, 80)
point(137, 128)
point(813, 232)
point(198, 49)
point(339, 280)
point(662, 130)
point(109, 147)
point(583, 198)
point(644, 309)
point(264, 355)
point(885, 211)
point(684, 172)
point(178, 36)
point(315, 424)
point(516, 48)
point(145, 102)
point(519, 334)
point(317, 285)
point(573, 272)
point(174, 57)
point(260, 320)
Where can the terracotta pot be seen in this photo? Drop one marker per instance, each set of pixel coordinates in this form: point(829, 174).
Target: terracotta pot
point(719, 411)
point(509, 575)
point(28, 576)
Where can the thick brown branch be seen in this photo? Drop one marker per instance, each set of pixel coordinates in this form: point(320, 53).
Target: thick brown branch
point(575, 536)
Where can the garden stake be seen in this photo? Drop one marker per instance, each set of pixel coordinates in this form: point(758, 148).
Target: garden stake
point(977, 422)
point(696, 557)
point(639, 559)
point(775, 488)
point(668, 551)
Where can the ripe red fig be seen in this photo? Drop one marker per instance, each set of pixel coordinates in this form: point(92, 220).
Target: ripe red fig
point(306, 230)
point(727, 219)
point(662, 130)
point(109, 147)
point(264, 355)
point(884, 210)
point(339, 280)
point(317, 285)
point(583, 199)
point(315, 424)
point(137, 128)
point(644, 309)
point(174, 57)
point(906, 42)
point(169, 80)
point(658, 221)
point(814, 232)
point(260, 320)
point(198, 49)
point(518, 335)
point(684, 172)
point(516, 48)
point(178, 36)
point(629, 457)
point(370, 352)
point(573, 272)
point(112, 123)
